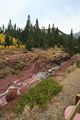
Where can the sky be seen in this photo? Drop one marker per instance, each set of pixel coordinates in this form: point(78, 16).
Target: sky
point(64, 14)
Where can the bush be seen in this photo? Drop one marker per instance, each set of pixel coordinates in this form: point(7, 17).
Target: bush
point(39, 95)
point(78, 63)
point(2, 64)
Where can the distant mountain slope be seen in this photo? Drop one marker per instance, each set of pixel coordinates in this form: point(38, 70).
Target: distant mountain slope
point(76, 35)
point(60, 32)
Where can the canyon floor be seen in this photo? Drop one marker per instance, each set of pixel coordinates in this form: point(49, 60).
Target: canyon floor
point(70, 79)
point(56, 108)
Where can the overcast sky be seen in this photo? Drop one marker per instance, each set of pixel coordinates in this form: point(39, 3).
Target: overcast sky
point(65, 14)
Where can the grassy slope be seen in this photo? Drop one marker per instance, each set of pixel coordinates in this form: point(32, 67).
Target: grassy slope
point(39, 95)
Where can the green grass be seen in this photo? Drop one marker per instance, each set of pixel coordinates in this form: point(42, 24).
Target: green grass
point(39, 95)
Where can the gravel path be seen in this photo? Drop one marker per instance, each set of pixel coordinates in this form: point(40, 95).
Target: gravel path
point(71, 86)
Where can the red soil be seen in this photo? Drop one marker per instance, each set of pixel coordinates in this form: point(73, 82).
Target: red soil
point(25, 77)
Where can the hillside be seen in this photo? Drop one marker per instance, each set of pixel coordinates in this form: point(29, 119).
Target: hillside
point(76, 35)
point(20, 69)
point(22, 65)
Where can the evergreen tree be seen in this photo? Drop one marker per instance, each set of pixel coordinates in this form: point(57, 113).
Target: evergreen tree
point(53, 36)
point(62, 40)
point(49, 37)
point(37, 35)
point(1, 31)
point(15, 31)
point(28, 34)
point(3, 28)
point(37, 24)
point(44, 42)
point(7, 41)
point(32, 36)
point(28, 27)
point(14, 27)
point(70, 44)
point(79, 44)
point(29, 44)
point(9, 29)
point(57, 36)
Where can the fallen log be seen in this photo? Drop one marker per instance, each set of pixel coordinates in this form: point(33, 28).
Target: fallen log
point(74, 111)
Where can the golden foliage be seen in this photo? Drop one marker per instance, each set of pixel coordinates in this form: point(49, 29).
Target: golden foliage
point(2, 40)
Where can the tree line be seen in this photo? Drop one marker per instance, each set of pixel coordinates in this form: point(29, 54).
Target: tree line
point(32, 36)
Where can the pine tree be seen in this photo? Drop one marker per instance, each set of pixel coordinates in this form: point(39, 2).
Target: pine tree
point(14, 27)
point(9, 29)
point(37, 35)
point(79, 44)
point(53, 36)
point(7, 41)
point(71, 42)
point(28, 32)
point(1, 31)
point(3, 28)
point(37, 24)
point(49, 37)
point(57, 36)
point(29, 44)
point(28, 27)
point(44, 42)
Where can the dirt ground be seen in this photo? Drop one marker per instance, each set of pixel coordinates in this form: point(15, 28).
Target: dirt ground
point(55, 111)
point(71, 86)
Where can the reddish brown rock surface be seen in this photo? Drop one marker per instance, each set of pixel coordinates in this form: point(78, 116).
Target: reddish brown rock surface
point(29, 64)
